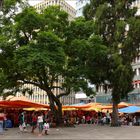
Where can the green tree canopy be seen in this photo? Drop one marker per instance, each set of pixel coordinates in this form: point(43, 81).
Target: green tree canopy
point(38, 49)
point(117, 24)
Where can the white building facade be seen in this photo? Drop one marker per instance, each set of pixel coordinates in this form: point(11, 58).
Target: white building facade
point(80, 6)
point(63, 6)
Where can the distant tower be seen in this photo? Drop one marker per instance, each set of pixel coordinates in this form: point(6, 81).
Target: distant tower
point(79, 7)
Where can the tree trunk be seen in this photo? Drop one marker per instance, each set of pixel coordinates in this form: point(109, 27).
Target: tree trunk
point(115, 118)
point(56, 108)
point(1, 2)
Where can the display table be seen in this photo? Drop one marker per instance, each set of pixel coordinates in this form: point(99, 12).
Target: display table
point(9, 124)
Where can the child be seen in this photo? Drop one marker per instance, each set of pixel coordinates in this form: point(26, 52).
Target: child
point(46, 128)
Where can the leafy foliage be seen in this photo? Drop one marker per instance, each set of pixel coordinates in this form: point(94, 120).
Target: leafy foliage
point(112, 18)
point(118, 26)
point(42, 48)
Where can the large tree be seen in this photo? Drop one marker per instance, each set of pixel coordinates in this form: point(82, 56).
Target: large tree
point(87, 52)
point(34, 53)
point(117, 24)
point(37, 49)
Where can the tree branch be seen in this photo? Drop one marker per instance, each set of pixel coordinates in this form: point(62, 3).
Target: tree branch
point(33, 83)
point(53, 87)
point(26, 36)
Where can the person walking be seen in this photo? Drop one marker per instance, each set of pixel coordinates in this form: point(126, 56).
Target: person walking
point(1, 122)
point(22, 124)
point(34, 122)
point(4, 120)
point(108, 117)
point(40, 123)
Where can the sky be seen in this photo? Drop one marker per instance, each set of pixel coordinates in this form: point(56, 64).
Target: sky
point(71, 2)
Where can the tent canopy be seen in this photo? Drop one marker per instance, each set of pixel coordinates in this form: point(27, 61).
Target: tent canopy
point(130, 109)
point(35, 109)
point(124, 104)
point(87, 105)
point(120, 105)
point(20, 102)
point(92, 108)
point(14, 98)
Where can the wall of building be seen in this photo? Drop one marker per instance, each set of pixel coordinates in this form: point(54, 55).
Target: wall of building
point(63, 5)
point(79, 7)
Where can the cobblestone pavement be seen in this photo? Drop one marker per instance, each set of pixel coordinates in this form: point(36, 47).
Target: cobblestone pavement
point(83, 131)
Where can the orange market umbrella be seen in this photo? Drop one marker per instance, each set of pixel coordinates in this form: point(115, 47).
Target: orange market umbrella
point(68, 106)
point(124, 104)
point(106, 107)
point(4, 106)
point(69, 109)
point(87, 105)
point(120, 105)
point(14, 98)
point(21, 102)
point(105, 110)
point(92, 108)
point(34, 109)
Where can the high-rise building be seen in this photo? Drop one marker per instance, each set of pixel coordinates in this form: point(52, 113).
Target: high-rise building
point(63, 5)
point(80, 6)
point(137, 4)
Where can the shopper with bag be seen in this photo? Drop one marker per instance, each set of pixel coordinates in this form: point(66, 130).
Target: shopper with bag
point(1, 122)
point(22, 124)
point(40, 123)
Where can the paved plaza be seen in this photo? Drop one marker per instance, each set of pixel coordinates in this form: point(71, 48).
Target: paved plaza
point(84, 131)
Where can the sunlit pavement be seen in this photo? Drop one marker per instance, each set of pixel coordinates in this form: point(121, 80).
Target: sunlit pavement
point(84, 131)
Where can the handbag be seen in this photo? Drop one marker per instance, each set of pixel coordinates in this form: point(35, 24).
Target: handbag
point(24, 125)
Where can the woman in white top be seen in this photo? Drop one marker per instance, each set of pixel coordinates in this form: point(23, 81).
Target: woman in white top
point(40, 122)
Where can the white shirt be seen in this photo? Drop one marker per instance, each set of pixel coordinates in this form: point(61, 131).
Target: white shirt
point(46, 126)
point(40, 119)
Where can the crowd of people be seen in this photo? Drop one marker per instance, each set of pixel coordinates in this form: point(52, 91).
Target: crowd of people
point(99, 118)
point(38, 120)
point(43, 120)
point(23, 119)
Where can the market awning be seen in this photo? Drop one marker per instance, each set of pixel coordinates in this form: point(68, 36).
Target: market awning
point(21, 102)
point(69, 109)
point(120, 105)
point(35, 109)
point(106, 107)
point(15, 98)
point(87, 105)
point(124, 104)
point(93, 108)
point(130, 109)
